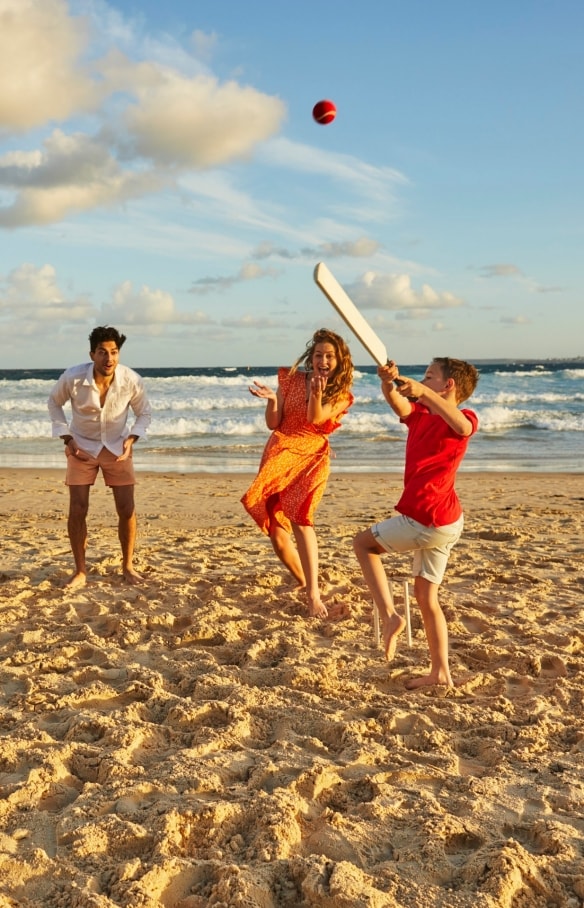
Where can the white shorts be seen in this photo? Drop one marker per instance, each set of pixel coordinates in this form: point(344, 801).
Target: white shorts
point(431, 545)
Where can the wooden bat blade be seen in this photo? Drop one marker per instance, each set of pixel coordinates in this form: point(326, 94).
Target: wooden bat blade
point(350, 314)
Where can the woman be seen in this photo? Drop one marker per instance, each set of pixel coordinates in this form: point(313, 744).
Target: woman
point(295, 465)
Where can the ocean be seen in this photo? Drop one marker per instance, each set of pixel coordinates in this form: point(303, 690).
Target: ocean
point(531, 417)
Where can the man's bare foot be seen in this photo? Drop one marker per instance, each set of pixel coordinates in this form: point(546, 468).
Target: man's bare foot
point(76, 580)
point(429, 681)
point(132, 577)
point(392, 627)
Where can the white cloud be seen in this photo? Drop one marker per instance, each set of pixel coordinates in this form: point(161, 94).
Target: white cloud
point(73, 173)
point(198, 122)
point(203, 43)
point(500, 270)
point(360, 248)
point(250, 271)
point(395, 292)
point(157, 122)
point(147, 307)
point(41, 76)
point(372, 181)
point(32, 295)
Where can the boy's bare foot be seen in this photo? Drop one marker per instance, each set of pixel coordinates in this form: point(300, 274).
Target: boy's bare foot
point(76, 580)
point(132, 577)
point(428, 681)
point(392, 628)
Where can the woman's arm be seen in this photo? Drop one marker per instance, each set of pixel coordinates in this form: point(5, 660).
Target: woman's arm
point(274, 403)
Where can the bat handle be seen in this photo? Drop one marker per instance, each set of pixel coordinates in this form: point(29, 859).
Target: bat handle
point(398, 382)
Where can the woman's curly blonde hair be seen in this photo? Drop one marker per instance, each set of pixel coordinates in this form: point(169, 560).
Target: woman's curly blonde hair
point(338, 386)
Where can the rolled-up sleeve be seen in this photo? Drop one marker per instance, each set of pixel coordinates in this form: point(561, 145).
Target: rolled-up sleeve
point(59, 396)
point(142, 410)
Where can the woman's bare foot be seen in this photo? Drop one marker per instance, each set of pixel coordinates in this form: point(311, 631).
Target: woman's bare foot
point(76, 580)
point(429, 681)
point(393, 626)
point(316, 608)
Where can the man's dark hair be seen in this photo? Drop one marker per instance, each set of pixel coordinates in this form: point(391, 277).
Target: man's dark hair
point(105, 333)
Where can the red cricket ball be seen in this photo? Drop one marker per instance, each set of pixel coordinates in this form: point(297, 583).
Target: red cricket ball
point(324, 112)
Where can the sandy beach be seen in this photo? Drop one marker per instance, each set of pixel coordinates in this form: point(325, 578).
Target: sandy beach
point(197, 741)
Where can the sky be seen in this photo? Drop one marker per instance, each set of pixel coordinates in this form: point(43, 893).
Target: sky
point(160, 171)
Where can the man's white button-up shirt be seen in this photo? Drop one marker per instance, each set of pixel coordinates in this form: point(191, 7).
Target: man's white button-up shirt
point(92, 426)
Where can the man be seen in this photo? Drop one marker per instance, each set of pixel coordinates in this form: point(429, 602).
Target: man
point(101, 394)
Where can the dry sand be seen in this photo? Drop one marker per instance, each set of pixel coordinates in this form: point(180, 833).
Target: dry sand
point(198, 741)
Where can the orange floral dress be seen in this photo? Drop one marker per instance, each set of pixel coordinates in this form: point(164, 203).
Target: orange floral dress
point(295, 465)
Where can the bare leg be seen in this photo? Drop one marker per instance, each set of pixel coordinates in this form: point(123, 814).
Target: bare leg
point(368, 552)
point(286, 552)
point(77, 529)
point(124, 499)
point(436, 635)
point(308, 552)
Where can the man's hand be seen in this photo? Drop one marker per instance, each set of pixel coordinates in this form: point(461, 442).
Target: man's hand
point(128, 445)
point(71, 448)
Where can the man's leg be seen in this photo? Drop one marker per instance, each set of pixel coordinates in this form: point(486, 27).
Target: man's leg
point(436, 634)
point(77, 528)
point(127, 523)
point(368, 552)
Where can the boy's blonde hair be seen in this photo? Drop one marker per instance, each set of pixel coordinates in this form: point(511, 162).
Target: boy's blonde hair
point(338, 386)
point(464, 375)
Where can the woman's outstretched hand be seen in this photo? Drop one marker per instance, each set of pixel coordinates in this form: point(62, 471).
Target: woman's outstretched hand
point(262, 391)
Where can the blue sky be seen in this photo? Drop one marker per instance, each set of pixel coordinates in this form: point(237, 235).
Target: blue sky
point(160, 171)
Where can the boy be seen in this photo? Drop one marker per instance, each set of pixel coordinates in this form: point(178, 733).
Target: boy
point(430, 520)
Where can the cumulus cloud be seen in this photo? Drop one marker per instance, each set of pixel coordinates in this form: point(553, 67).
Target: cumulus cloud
point(150, 124)
point(147, 307)
point(32, 295)
point(41, 72)
point(198, 122)
point(248, 272)
point(395, 292)
point(72, 173)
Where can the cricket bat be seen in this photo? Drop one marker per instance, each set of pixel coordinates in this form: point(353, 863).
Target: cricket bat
point(350, 314)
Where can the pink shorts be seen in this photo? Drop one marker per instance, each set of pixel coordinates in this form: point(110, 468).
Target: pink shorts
point(84, 472)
